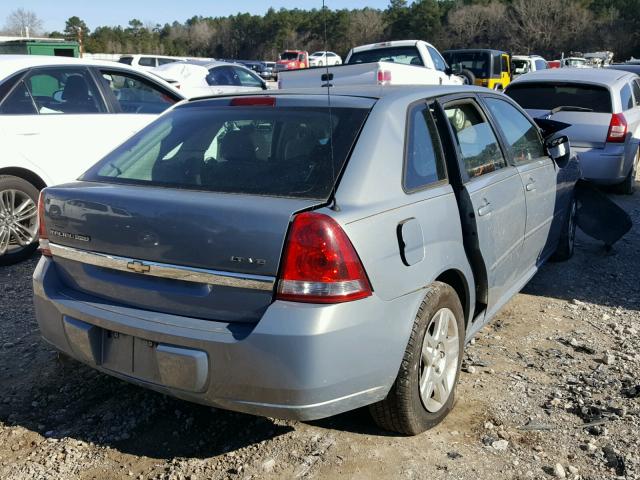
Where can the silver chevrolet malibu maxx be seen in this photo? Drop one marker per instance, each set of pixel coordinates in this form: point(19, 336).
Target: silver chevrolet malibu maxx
point(298, 255)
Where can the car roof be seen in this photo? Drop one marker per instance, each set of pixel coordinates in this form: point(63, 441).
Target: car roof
point(10, 64)
point(209, 63)
point(372, 91)
point(489, 50)
point(394, 43)
point(597, 76)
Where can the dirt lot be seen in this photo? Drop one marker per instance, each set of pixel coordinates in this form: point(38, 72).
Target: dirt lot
point(551, 389)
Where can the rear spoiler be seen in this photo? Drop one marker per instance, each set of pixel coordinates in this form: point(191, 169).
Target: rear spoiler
point(549, 127)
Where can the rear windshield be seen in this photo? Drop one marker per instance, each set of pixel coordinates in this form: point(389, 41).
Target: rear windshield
point(282, 151)
point(289, 56)
point(126, 60)
point(479, 63)
point(547, 96)
point(406, 55)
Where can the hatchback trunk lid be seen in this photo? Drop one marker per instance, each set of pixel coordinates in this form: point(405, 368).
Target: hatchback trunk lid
point(228, 245)
point(587, 130)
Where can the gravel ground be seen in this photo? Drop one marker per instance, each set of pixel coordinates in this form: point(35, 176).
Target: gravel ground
point(550, 389)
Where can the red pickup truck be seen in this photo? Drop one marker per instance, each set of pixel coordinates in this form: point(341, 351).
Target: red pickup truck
point(292, 60)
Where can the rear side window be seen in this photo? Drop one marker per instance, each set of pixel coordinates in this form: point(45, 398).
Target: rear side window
point(626, 99)
point(55, 91)
point(222, 76)
point(636, 91)
point(423, 164)
point(134, 94)
point(282, 152)
point(476, 140)
point(147, 62)
point(521, 135)
point(18, 102)
point(406, 55)
point(547, 96)
point(541, 64)
point(438, 61)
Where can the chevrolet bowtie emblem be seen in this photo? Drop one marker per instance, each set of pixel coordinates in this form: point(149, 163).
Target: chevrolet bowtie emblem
point(138, 267)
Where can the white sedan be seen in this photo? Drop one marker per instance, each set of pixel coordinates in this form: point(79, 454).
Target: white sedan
point(319, 59)
point(58, 116)
point(196, 78)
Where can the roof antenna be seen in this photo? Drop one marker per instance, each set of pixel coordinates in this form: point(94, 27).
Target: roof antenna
point(327, 77)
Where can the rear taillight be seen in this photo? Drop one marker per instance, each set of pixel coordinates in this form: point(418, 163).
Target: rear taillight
point(617, 128)
point(384, 77)
point(320, 264)
point(42, 228)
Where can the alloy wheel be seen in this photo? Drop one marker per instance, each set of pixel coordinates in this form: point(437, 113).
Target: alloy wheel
point(18, 221)
point(439, 360)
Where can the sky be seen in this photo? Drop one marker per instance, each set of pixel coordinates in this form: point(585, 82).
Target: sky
point(96, 13)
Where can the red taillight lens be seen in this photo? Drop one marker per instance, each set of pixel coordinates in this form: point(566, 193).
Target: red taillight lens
point(384, 77)
point(320, 264)
point(42, 228)
point(253, 102)
point(617, 128)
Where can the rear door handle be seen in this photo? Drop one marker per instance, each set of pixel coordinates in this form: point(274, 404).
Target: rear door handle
point(531, 186)
point(485, 208)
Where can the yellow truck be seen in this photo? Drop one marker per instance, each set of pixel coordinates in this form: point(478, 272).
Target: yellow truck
point(481, 66)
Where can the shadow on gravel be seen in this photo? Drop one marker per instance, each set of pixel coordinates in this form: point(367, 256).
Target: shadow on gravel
point(68, 399)
point(356, 421)
point(595, 275)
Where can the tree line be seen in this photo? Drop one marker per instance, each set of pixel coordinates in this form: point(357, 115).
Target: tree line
point(545, 27)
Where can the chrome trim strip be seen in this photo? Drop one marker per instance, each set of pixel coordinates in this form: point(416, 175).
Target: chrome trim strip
point(164, 270)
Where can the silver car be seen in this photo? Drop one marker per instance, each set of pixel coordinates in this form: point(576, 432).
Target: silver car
point(603, 108)
point(297, 255)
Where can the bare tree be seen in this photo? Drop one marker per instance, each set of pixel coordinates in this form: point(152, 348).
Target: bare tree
point(476, 25)
point(24, 23)
point(365, 26)
point(546, 25)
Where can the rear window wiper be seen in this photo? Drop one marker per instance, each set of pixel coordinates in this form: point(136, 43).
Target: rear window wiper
point(569, 108)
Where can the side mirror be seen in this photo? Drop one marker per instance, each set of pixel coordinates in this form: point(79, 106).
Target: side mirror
point(448, 71)
point(559, 149)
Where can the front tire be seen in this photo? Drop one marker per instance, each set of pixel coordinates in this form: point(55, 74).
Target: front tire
point(18, 219)
point(424, 390)
point(566, 244)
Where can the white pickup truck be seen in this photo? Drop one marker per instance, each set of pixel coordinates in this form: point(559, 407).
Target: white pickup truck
point(403, 62)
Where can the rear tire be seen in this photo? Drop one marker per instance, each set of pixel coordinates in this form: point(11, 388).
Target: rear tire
point(424, 390)
point(18, 219)
point(566, 244)
point(627, 187)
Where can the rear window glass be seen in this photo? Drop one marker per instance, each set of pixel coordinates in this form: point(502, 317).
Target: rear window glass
point(126, 60)
point(479, 63)
point(405, 55)
point(283, 152)
point(289, 56)
point(547, 96)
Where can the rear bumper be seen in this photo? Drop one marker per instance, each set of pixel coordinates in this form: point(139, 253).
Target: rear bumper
point(605, 166)
point(300, 361)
